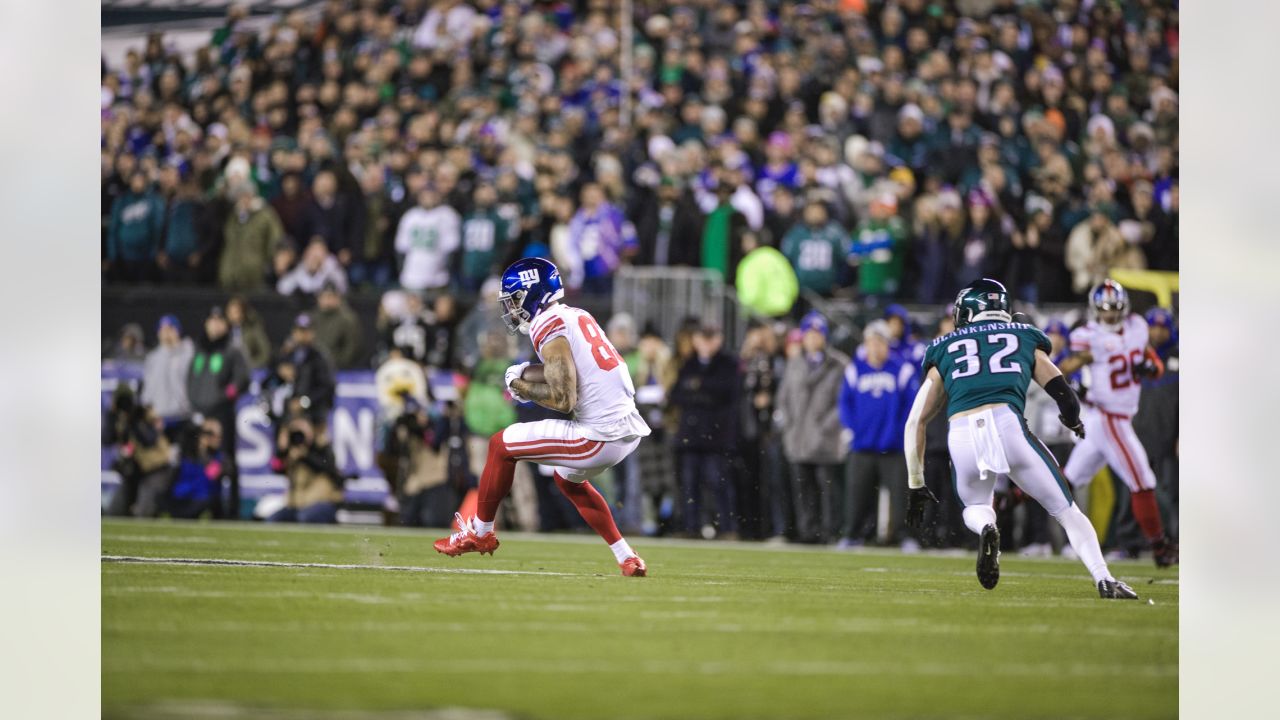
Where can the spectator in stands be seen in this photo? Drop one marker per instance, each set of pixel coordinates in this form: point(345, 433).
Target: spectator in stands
point(402, 325)
point(1048, 242)
point(816, 248)
point(291, 205)
point(1093, 247)
point(877, 250)
point(484, 240)
point(705, 393)
point(250, 237)
point(427, 237)
point(129, 346)
point(135, 233)
point(725, 227)
point(903, 344)
point(875, 397)
point(317, 270)
point(333, 218)
point(219, 376)
point(184, 218)
point(986, 248)
point(1159, 239)
point(668, 226)
point(337, 329)
point(247, 332)
point(600, 237)
point(314, 384)
point(141, 455)
point(441, 333)
point(371, 264)
point(809, 416)
point(164, 373)
point(764, 501)
point(654, 373)
point(315, 482)
point(1156, 423)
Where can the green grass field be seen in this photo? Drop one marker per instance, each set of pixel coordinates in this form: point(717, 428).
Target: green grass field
point(547, 628)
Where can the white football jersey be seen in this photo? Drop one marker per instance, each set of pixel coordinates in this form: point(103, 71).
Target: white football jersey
point(1112, 385)
point(606, 404)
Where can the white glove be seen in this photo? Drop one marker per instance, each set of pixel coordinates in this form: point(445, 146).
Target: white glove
point(513, 373)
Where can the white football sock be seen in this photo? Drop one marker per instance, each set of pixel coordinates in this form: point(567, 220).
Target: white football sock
point(977, 517)
point(1084, 540)
point(481, 527)
point(622, 550)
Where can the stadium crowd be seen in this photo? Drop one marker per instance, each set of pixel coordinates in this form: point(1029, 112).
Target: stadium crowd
point(882, 152)
point(889, 150)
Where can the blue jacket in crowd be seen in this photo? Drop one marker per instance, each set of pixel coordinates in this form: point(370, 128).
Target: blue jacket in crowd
point(874, 403)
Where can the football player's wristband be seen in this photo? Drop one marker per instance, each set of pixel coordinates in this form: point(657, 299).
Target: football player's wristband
point(1068, 404)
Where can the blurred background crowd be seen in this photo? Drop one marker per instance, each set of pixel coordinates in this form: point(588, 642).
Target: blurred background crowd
point(399, 154)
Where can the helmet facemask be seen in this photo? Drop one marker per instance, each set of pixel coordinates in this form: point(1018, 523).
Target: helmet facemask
point(514, 316)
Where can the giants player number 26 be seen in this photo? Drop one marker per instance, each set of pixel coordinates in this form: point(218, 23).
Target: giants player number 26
point(1113, 345)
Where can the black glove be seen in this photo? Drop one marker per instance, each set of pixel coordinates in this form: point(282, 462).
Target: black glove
point(1145, 369)
point(1078, 428)
point(917, 498)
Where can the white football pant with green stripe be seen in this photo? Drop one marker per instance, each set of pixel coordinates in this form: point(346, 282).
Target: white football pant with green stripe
point(996, 442)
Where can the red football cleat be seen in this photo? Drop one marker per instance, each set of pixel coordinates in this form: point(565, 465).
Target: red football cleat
point(466, 540)
point(633, 567)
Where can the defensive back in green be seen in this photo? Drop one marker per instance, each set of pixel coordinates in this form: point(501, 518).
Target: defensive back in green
point(986, 362)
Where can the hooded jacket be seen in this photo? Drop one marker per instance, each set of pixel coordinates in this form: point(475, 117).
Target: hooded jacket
point(808, 403)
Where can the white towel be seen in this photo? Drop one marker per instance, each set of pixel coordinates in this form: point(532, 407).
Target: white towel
point(988, 450)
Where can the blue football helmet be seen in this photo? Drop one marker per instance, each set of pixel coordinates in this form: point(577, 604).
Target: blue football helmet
point(529, 285)
point(1109, 304)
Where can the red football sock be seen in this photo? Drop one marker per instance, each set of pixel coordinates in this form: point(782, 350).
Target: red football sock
point(495, 480)
point(592, 506)
point(1147, 514)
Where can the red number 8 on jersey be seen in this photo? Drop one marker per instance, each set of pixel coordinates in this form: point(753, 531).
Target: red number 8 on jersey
point(601, 349)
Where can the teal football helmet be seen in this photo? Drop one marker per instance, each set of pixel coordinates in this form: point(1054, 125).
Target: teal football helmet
point(985, 299)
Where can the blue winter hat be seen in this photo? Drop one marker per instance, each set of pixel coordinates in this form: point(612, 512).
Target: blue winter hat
point(813, 320)
point(1056, 326)
point(1160, 316)
point(896, 310)
point(170, 320)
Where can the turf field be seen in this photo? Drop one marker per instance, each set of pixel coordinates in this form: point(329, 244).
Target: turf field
point(374, 620)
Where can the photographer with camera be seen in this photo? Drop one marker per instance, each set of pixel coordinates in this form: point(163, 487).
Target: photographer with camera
point(200, 470)
point(142, 455)
point(412, 452)
point(315, 482)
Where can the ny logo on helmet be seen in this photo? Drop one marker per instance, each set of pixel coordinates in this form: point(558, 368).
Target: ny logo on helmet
point(528, 277)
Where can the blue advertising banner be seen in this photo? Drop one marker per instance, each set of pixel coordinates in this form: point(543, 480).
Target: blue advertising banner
point(353, 427)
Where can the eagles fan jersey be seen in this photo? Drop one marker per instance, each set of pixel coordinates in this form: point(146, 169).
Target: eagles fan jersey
point(986, 362)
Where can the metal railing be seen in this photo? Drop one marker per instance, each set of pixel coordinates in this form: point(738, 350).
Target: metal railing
point(665, 296)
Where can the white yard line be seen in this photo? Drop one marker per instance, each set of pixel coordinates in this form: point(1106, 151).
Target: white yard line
point(324, 566)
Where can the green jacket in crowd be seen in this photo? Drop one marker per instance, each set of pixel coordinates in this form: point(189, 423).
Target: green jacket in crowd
point(878, 250)
point(484, 243)
point(137, 227)
point(766, 283)
point(817, 254)
point(248, 245)
point(338, 335)
point(486, 409)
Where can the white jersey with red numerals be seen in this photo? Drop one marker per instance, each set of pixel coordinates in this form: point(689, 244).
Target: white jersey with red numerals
point(606, 406)
point(1112, 385)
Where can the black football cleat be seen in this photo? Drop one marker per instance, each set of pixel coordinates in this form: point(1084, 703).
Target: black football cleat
point(1165, 552)
point(1115, 590)
point(989, 557)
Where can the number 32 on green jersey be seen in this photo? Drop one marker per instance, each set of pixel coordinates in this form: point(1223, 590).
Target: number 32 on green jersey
point(969, 363)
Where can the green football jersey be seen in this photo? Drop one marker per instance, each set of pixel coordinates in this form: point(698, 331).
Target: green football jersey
point(986, 362)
